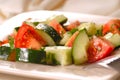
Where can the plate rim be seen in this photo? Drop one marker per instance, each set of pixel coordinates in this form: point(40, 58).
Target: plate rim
point(8, 69)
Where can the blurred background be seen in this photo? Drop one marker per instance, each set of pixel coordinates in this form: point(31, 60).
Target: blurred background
point(10, 8)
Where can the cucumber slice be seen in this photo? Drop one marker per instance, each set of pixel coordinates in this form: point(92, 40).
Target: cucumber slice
point(35, 23)
point(16, 29)
point(108, 35)
point(79, 49)
point(113, 38)
point(46, 37)
point(99, 28)
point(58, 55)
point(48, 34)
point(29, 55)
point(65, 38)
point(90, 27)
point(4, 52)
point(59, 18)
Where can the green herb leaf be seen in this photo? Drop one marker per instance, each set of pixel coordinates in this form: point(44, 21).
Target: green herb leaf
point(11, 42)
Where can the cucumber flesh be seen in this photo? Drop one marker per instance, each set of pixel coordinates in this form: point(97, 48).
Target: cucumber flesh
point(30, 55)
point(65, 38)
point(50, 31)
point(79, 49)
point(4, 52)
point(59, 18)
point(90, 28)
point(113, 38)
point(58, 55)
point(46, 37)
point(99, 28)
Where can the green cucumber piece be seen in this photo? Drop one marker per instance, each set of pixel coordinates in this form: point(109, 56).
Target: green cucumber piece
point(16, 29)
point(113, 38)
point(99, 28)
point(35, 23)
point(59, 18)
point(4, 52)
point(50, 31)
point(65, 38)
point(29, 55)
point(90, 28)
point(108, 35)
point(58, 55)
point(46, 37)
point(79, 49)
point(11, 42)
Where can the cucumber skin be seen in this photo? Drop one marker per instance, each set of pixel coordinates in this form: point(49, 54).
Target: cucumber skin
point(113, 38)
point(59, 18)
point(30, 55)
point(91, 28)
point(79, 49)
point(65, 38)
point(58, 55)
point(46, 37)
point(4, 52)
point(48, 29)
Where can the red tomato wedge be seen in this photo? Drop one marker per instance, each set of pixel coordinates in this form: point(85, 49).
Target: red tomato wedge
point(72, 25)
point(57, 27)
point(99, 48)
point(4, 42)
point(71, 40)
point(112, 26)
point(27, 37)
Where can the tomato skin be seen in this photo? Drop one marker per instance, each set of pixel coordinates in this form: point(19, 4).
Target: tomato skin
point(69, 43)
point(27, 37)
point(57, 26)
point(99, 48)
point(112, 26)
point(72, 25)
point(4, 42)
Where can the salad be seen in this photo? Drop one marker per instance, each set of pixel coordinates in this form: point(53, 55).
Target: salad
point(56, 41)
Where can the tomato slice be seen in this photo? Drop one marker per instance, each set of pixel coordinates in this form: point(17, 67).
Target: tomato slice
point(4, 42)
point(72, 25)
point(99, 48)
point(57, 26)
point(27, 37)
point(69, 43)
point(112, 26)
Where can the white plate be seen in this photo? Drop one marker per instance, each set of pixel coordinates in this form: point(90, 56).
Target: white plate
point(82, 72)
